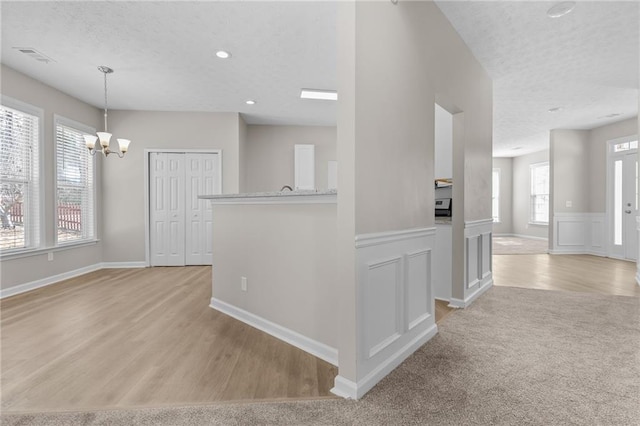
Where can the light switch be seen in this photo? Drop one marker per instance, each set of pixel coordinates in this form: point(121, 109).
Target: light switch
point(569, 204)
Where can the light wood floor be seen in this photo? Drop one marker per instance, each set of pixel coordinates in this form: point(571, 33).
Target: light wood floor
point(142, 337)
point(581, 273)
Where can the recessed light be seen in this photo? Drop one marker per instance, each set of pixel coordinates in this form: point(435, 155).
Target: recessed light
point(324, 95)
point(250, 102)
point(223, 54)
point(556, 109)
point(516, 148)
point(561, 9)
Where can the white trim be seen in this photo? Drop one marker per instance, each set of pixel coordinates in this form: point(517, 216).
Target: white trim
point(22, 288)
point(458, 303)
point(146, 156)
point(123, 265)
point(37, 252)
point(470, 224)
point(311, 346)
point(367, 240)
point(348, 389)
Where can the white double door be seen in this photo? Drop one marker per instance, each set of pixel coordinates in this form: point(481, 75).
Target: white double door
point(180, 224)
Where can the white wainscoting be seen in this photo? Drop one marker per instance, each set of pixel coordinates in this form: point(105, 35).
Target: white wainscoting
point(395, 304)
point(579, 233)
point(478, 269)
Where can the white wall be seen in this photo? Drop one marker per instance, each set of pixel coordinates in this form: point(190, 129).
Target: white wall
point(443, 144)
point(505, 226)
point(123, 179)
point(25, 270)
point(521, 195)
point(269, 155)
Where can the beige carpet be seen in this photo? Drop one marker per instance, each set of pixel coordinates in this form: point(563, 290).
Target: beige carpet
point(515, 357)
point(519, 245)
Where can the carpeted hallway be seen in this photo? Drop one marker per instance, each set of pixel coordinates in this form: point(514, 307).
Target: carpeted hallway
point(515, 357)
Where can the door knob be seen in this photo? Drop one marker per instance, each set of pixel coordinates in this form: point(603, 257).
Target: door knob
point(627, 211)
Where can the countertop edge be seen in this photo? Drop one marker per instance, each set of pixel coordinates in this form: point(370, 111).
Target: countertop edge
point(294, 197)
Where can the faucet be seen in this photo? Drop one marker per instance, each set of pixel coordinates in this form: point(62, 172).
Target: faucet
point(286, 187)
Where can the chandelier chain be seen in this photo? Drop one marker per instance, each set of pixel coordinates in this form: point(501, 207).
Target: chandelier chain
point(105, 102)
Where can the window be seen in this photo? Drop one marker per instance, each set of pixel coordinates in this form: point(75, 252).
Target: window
point(19, 176)
point(495, 197)
point(75, 189)
point(540, 193)
point(625, 146)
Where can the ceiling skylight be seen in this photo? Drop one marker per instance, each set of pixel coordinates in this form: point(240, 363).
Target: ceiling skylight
point(324, 95)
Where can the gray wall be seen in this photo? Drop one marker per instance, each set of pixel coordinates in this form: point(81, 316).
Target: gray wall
point(394, 63)
point(123, 179)
point(269, 155)
point(36, 267)
point(505, 226)
point(597, 168)
point(521, 195)
point(570, 162)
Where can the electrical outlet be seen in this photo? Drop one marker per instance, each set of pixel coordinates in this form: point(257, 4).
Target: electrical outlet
point(243, 283)
point(50, 256)
point(569, 204)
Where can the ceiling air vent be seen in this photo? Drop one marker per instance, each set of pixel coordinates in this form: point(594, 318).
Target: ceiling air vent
point(30, 51)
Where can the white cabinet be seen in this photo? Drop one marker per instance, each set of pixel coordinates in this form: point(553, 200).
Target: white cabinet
point(304, 167)
point(442, 263)
point(180, 224)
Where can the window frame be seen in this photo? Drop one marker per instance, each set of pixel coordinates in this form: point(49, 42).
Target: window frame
point(496, 218)
point(39, 238)
point(532, 195)
point(84, 129)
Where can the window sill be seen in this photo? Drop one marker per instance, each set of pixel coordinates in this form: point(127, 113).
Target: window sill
point(538, 223)
point(40, 251)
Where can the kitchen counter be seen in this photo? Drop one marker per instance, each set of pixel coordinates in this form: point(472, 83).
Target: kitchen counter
point(276, 197)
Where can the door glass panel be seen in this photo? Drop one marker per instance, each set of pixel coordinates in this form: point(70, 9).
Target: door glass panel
point(617, 203)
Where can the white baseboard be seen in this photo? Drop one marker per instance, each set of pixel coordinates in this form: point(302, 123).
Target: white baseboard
point(123, 265)
point(459, 303)
point(348, 389)
point(311, 346)
point(22, 288)
point(530, 237)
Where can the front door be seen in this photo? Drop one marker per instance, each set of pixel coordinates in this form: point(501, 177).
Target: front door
point(625, 200)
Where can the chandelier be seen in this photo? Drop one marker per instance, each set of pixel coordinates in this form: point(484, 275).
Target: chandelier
point(104, 137)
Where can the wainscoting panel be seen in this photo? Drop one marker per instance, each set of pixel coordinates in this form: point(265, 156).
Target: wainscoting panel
point(478, 276)
point(395, 307)
point(383, 304)
point(579, 233)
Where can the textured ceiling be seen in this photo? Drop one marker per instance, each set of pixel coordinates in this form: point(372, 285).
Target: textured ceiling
point(585, 62)
point(163, 55)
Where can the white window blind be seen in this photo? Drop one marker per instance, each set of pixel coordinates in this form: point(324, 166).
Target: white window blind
point(75, 184)
point(540, 193)
point(19, 179)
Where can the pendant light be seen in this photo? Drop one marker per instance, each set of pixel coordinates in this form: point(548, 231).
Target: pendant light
point(105, 137)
